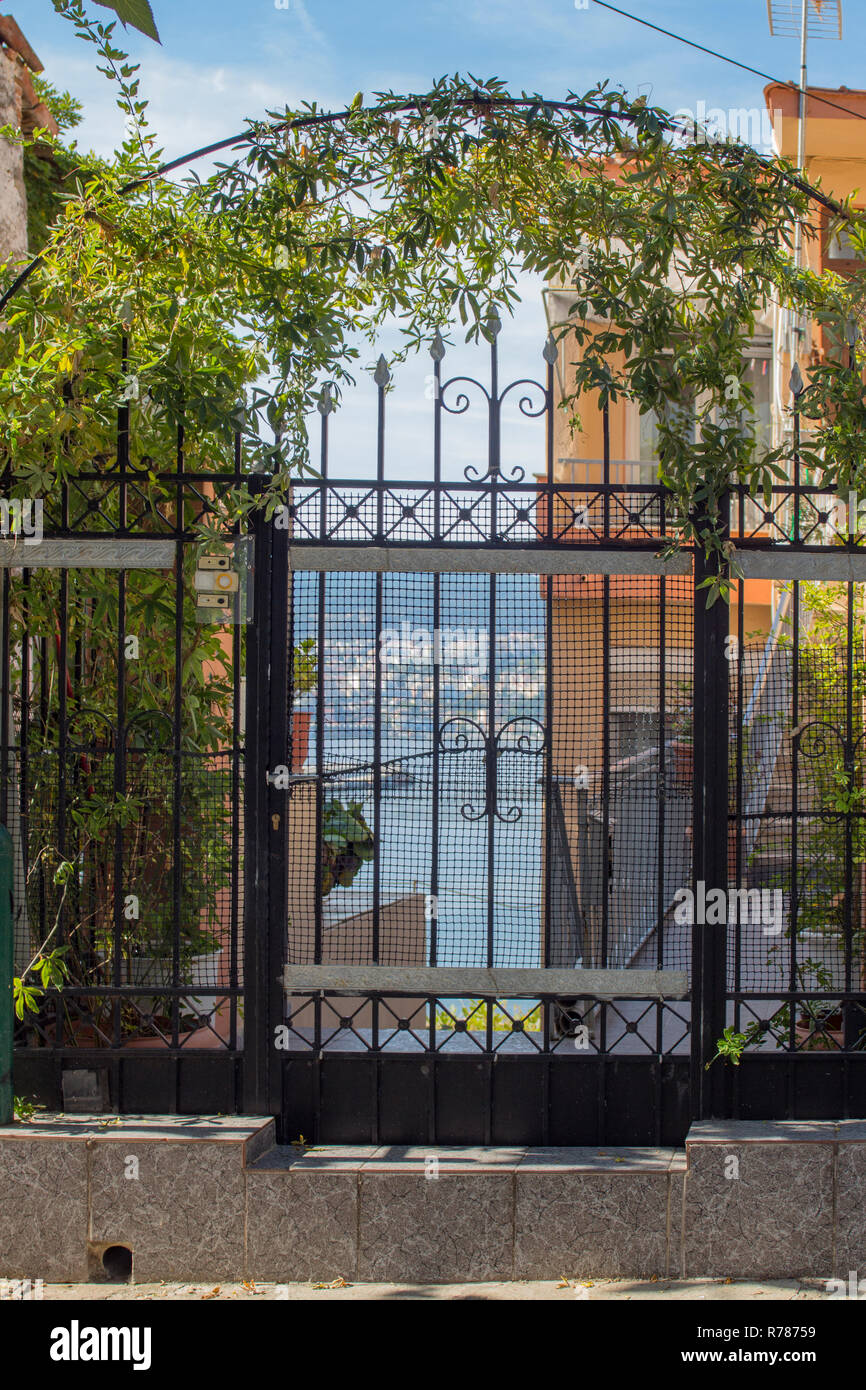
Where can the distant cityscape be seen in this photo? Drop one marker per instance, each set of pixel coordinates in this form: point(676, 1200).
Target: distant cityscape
point(413, 651)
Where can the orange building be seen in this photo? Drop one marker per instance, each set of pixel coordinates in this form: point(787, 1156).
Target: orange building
point(622, 646)
point(835, 158)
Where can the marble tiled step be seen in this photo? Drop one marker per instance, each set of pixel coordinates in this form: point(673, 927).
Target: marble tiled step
point(171, 1188)
point(508, 1213)
point(778, 1198)
point(476, 1158)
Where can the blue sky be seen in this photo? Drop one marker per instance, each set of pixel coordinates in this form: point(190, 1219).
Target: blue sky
point(220, 62)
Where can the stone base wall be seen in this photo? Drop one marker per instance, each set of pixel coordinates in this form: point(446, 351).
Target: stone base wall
point(213, 1198)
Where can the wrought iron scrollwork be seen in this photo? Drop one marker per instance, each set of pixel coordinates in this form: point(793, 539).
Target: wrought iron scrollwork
point(460, 734)
point(532, 740)
point(815, 738)
point(462, 402)
point(533, 404)
point(525, 405)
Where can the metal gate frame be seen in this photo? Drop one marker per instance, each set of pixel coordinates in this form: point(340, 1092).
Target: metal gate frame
point(430, 1096)
point(106, 519)
point(551, 1098)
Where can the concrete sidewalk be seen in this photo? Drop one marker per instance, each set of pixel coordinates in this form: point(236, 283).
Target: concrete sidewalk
point(722, 1290)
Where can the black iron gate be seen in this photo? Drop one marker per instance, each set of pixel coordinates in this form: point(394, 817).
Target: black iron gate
point(469, 743)
point(489, 812)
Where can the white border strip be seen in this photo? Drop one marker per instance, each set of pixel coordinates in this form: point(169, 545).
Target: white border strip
point(467, 559)
point(834, 564)
point(69, 554)
point(448, 982)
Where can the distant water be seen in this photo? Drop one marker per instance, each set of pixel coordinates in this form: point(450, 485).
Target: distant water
point(406, 829)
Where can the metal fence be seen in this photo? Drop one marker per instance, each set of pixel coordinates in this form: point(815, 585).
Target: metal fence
point(796, 850)
point(424, 878)
point(122, 780)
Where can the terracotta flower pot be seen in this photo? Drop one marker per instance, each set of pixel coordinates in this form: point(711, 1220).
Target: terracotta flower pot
point(301, 722)
point(213, 1038)
point(830, 1040)
point(145, 1043)
point(684, 763)
point(83, 1035)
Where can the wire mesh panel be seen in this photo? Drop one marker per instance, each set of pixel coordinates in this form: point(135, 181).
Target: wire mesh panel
point(797, 837)
point(622, 745)
point(122, 788)
point(430, 717)
point(491, 770)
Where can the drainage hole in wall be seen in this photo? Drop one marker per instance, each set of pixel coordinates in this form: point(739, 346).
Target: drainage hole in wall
point(117, 1263)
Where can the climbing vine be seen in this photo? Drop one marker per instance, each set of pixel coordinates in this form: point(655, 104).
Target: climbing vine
point(258, 282)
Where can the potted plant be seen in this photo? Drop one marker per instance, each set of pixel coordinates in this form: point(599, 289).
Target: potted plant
point(150, 961)
point(347, 843)
point(818, 1027)
point(304, 677)
point(682, 745)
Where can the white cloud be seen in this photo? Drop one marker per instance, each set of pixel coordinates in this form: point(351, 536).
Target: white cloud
point(189, 104)
point(310, 29)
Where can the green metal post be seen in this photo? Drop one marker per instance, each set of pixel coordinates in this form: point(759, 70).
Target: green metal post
point(6, 956)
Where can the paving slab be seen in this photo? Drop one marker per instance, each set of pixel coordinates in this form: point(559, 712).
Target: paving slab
point(590, 1290)
point(605, 1160)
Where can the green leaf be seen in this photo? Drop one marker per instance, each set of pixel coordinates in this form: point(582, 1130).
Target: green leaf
point(135, 12)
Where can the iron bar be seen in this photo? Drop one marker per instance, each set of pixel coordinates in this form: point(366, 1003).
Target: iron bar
point(710, 827)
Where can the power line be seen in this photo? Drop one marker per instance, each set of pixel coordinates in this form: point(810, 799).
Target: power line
point(723, 57)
